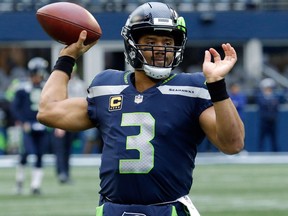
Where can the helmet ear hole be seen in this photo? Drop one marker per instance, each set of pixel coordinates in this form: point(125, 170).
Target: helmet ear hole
point(132, 54)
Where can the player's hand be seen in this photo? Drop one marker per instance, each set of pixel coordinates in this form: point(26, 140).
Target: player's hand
point(77, 49)
point(218, 69)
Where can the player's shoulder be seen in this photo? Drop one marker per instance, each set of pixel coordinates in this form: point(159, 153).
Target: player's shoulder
point(109, 77)
point(190, 79)
point(110, 74)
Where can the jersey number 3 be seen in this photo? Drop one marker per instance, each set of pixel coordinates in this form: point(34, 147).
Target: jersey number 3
point(140, 142)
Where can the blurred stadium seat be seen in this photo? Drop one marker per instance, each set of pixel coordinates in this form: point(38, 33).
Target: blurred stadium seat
point(129, 5)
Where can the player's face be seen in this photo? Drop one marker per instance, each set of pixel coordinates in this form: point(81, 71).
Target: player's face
point(36, 79)
point(157, 50)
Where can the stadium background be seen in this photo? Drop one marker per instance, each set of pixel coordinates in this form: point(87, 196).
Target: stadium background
point(251, 184)
point(258, 29)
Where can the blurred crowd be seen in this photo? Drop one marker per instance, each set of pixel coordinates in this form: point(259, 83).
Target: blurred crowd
point(98, 6)
point(16, 69)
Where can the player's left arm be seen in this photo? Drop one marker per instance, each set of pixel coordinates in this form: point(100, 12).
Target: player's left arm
point(223, 127)
point(222, 123)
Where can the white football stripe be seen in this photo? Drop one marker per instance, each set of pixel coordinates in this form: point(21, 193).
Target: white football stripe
point(97, 91)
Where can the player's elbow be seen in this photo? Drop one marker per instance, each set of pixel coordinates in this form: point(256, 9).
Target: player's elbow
point(233, 142)
point(40, 117)
point(43, 115)
point(233, 147)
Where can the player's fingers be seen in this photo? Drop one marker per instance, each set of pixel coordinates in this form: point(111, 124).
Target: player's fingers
point(230, 53)
point(215, 54)
point(82, 37)
point(75, 50)
point(207, 56)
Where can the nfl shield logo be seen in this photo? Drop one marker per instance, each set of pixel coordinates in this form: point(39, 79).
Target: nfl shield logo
point(138, 99)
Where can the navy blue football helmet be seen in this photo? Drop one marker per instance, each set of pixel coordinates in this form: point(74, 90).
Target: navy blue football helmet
point(38, 66)
point(159, 19)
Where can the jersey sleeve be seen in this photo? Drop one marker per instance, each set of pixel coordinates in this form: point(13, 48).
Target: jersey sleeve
point(197, 82)
point(203, 103)
point(98, 90)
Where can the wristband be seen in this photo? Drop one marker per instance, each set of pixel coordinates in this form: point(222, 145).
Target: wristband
point(217, 90)
point(65, 64)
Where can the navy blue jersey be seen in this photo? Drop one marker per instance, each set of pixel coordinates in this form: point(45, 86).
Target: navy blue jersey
point(150, 138)
point(25, 103)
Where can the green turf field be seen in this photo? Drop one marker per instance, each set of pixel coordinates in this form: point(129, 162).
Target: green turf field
point(219, 190)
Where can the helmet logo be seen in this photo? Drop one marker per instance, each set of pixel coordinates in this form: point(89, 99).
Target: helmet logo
point(132, 54)
point(181, 25)
point(163, 21)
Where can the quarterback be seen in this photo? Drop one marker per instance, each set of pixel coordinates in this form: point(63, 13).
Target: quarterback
point(151, 119)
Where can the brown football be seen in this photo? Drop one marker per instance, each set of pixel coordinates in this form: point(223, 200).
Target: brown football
point(63, 21)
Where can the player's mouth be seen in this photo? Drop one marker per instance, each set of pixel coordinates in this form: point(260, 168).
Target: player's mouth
point(159, 61)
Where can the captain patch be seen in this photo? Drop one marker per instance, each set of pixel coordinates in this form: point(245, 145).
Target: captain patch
point(115, 102)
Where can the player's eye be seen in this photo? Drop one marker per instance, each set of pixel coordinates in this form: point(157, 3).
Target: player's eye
point(168, 44)
point(150, 42)
point(145, 47)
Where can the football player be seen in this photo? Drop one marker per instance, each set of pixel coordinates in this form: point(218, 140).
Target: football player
point(151, 119)
point(24, 108)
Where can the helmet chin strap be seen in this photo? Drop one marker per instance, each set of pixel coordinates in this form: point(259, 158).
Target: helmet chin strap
point(156, 72)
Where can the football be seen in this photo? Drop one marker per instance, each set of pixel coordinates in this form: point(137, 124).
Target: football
point(63, 21)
